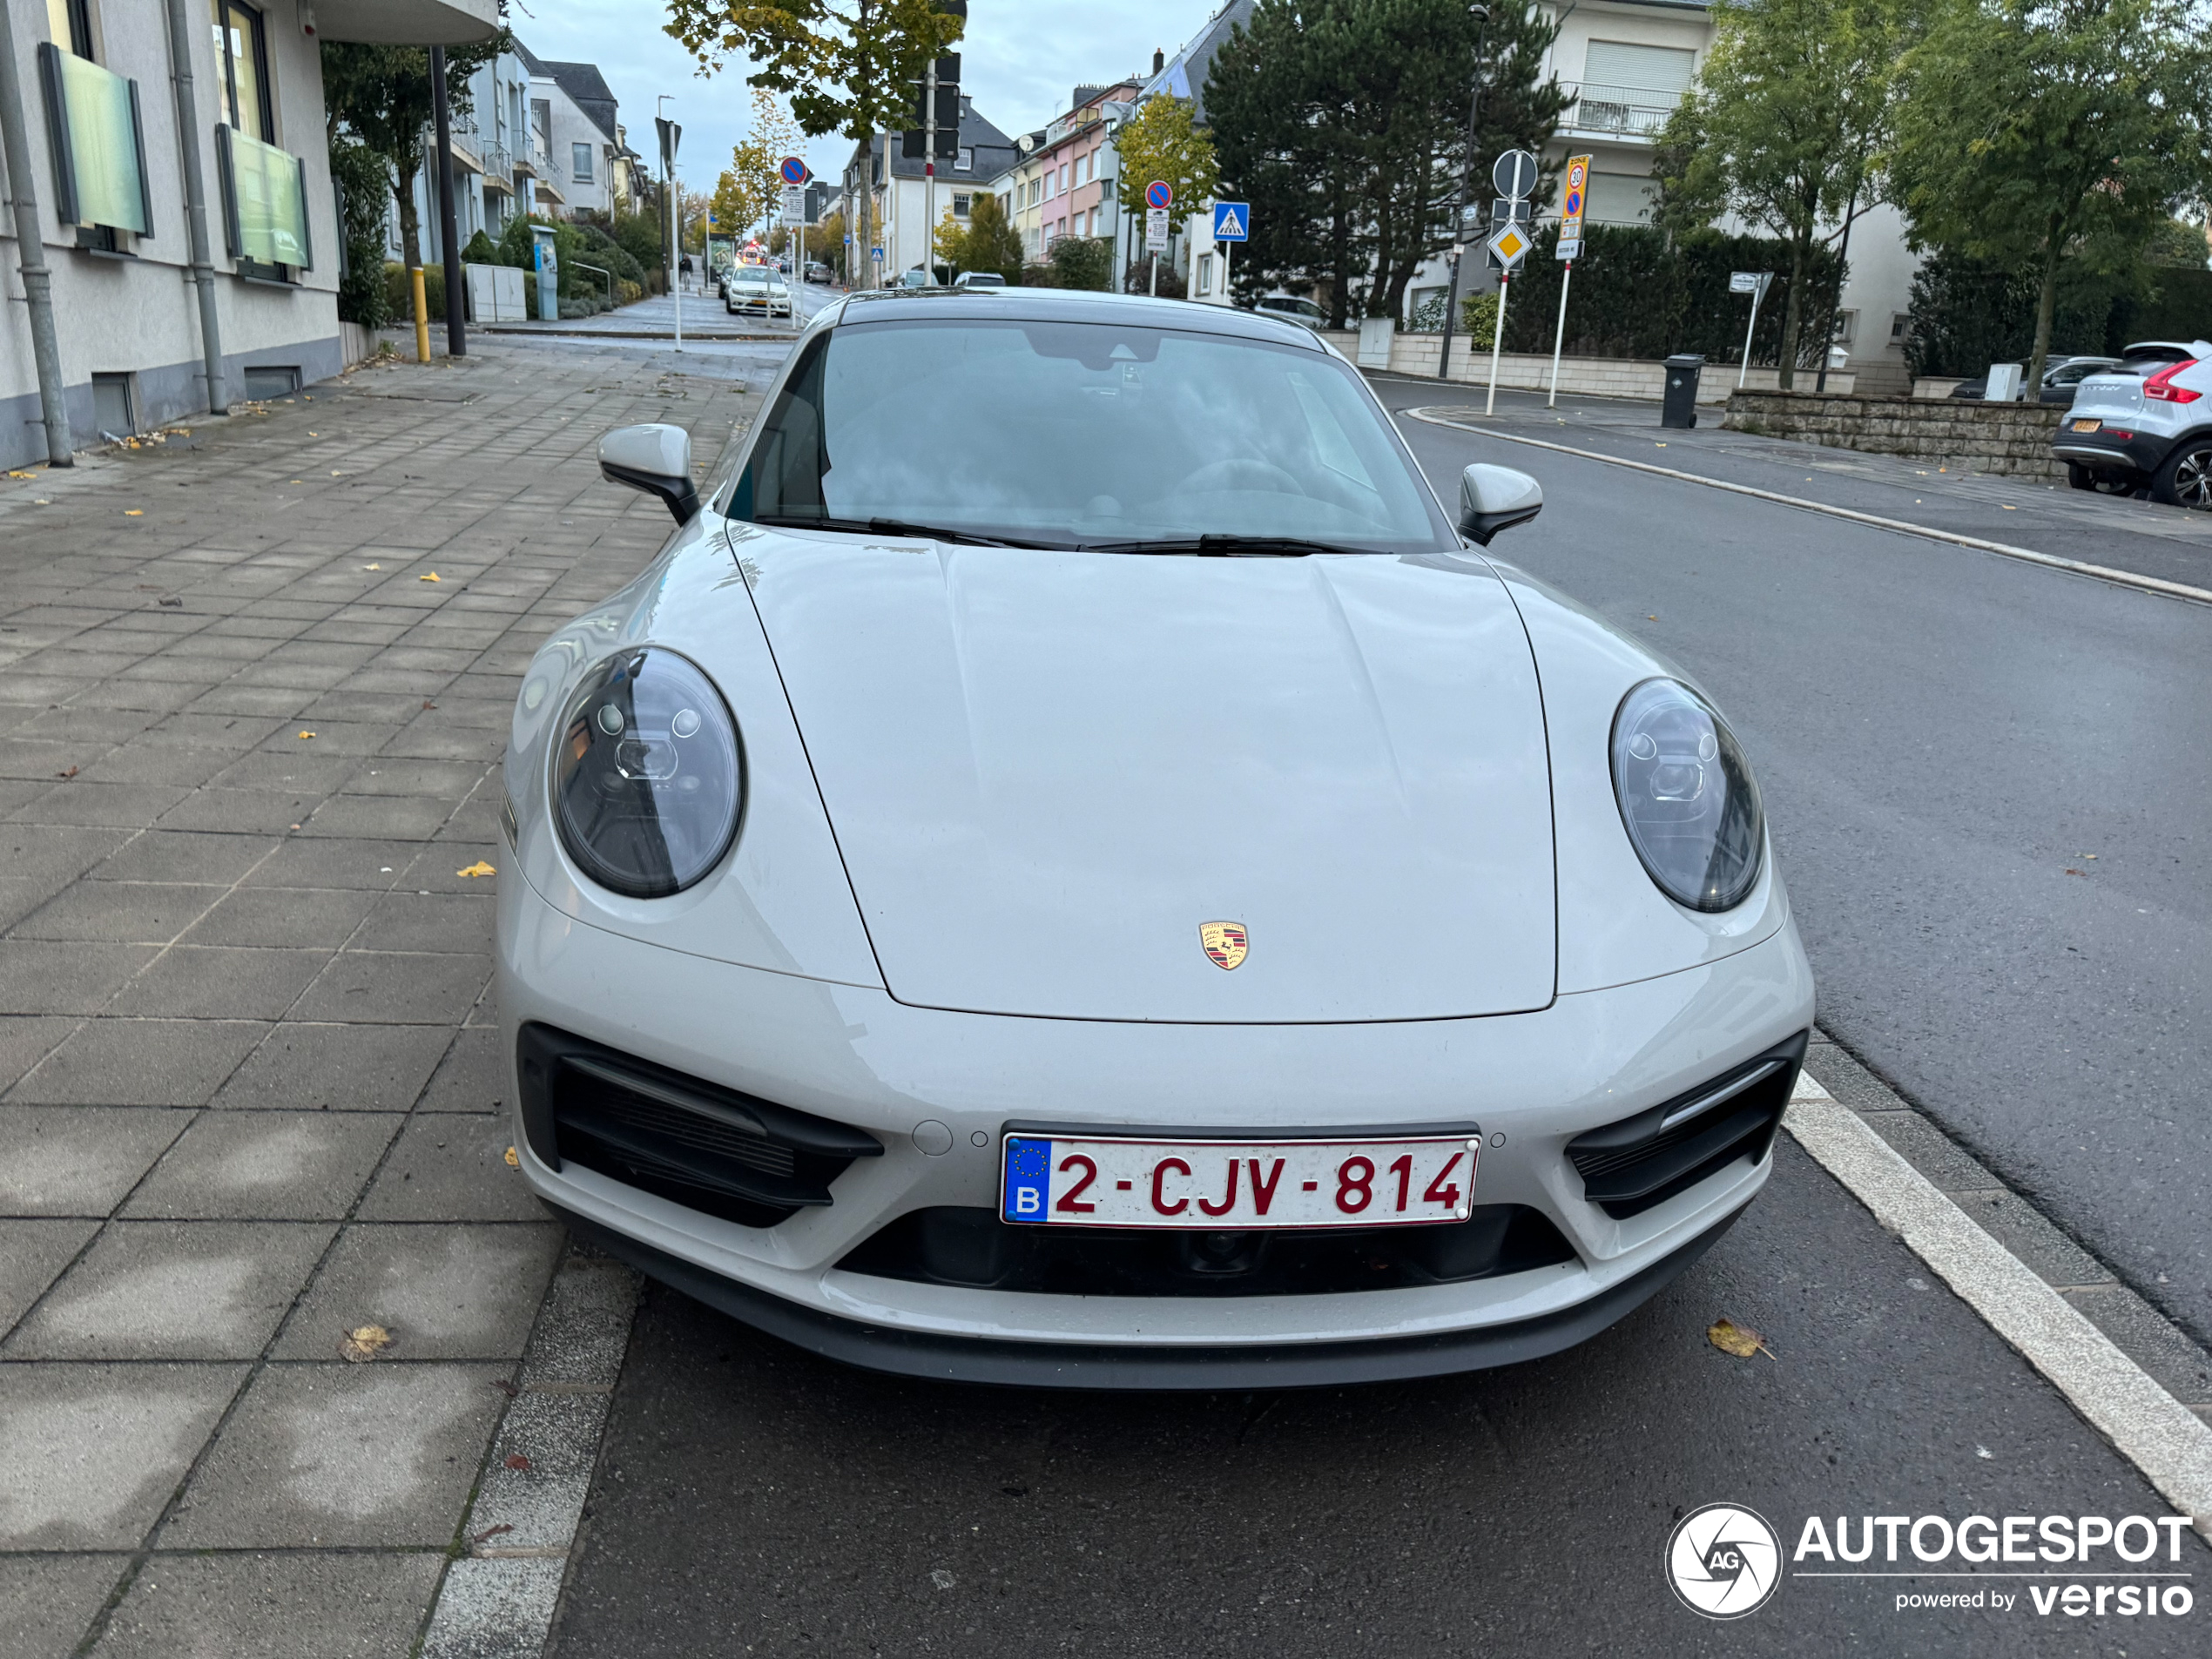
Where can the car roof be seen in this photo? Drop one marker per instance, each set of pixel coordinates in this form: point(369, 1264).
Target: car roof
point(1062, 305)
point(2173, 349)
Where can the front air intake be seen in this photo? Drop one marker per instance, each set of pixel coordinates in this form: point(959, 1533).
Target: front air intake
point(694, 1143)
point(1641, 1162)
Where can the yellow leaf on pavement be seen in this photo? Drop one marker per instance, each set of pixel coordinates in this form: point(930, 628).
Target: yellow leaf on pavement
point(306, 734)
point(1738, 1339)
point(478, 869)
point(134, 512)
point(431, 576)
point(363, 1343)
point(512, 1163)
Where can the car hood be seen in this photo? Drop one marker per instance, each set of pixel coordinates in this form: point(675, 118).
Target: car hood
point(1046, 771)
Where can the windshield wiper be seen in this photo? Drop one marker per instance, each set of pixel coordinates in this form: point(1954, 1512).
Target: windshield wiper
point(887, 527)
point(1224, 547)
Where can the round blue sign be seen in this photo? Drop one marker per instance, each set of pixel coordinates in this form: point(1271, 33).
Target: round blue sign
point(1156, 194)
point(794, 170)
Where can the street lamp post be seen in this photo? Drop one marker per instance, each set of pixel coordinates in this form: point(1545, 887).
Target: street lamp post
point(1482, 15)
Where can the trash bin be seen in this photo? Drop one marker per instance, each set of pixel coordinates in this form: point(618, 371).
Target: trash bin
point(1679, 404)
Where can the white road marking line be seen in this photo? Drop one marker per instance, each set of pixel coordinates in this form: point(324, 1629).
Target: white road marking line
point(2169, 1444)
point(2102, 573)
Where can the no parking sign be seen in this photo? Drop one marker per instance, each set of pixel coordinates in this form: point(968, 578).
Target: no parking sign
point(1571, 205)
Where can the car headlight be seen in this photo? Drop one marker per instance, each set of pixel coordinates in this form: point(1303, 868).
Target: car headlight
point(649, 778)
point(1687, 796)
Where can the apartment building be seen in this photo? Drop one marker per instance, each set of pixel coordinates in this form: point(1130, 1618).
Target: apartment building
point(118, 323)
point(902, 197)
point(1068, 177)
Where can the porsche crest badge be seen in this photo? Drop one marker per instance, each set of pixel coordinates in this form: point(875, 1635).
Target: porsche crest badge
point(1225, 942)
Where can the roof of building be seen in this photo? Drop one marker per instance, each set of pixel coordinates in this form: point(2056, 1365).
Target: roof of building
point(994, 151)
point(586, 87)
point(1184, 74)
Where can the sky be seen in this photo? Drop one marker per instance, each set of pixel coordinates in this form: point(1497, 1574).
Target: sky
point(1020, 62)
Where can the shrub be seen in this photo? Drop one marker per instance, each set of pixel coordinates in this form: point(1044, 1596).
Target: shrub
point(364, 184)
point(399, 295)
point(1083, 262)
point(480, 250)
point(1478, 316)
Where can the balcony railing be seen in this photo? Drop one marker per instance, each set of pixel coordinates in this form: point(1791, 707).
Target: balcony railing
point(1616, 111)
point(99, 144)
point(265, 201)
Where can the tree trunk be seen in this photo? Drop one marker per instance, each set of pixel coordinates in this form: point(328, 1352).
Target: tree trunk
point(1793, 314)
point(2047, 301)
point(410, 221)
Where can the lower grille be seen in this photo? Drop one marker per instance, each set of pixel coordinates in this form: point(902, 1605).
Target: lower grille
point(1641, 1162)
point(693, 1142)
point(973, 1247)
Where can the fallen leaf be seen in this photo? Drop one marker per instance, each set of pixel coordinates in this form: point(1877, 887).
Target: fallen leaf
point(306, 734)
point(490, 1532)
point(1738, 1339)
point(428, 704)
point(505, 1387)
point(517, 1462)
point(2070, 871)
point(12, 473)
point(134, 512)
point(372, 567)
point(71, 773)
point(478, 869)
point(364, 1343)
point(429, 575)
point(513, 1162)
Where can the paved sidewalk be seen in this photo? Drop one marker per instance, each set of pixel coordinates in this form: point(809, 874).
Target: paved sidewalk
point(254, 685)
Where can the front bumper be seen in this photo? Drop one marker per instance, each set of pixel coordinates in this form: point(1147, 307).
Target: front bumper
point(853, 1054)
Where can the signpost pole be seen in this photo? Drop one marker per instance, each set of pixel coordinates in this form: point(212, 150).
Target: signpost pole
point(1559, 334)
point(1497, 341)
point(1750, 329)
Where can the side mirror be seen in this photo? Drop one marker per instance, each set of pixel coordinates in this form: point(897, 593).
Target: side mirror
point(1492, 499)
point(656, 459)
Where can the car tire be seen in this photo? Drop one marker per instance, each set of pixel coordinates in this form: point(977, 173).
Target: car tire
point(2104, 483)
point(2184, 479)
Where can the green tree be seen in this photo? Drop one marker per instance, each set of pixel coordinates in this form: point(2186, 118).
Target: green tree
point(382, 94)
point(2054, 133)
point(1160, 142)
point(1791, 107)
point(364, 181)
point(848, 66)
point(1083, 262)
point(751, 189)
point(990, 242)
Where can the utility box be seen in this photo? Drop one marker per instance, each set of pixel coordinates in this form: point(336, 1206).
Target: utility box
point(497, 293)
point(1678, 404)
point(1375, 336)
point(2004, 385)
point(549, 273)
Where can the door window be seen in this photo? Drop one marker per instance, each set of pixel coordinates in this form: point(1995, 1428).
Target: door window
point(242, 47)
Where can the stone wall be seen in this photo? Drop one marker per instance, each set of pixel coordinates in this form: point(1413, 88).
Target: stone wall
point(2013, 438)
point(1416, 354)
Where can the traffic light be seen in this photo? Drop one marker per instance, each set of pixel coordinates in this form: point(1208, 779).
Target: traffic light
point(914, 140)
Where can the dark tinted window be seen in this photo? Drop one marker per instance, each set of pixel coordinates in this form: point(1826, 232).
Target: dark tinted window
point(1065, 433)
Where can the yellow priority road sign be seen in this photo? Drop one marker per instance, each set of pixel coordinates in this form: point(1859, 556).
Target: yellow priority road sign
point(1511, 245)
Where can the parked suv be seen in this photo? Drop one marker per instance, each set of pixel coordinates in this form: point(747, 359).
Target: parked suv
point(2147, 422)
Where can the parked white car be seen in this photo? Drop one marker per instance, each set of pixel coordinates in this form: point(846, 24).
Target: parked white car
point(2145, 424)
point(757, 290)
point(1145, 921)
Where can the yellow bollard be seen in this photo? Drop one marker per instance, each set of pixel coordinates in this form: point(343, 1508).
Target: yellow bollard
point(422, 318)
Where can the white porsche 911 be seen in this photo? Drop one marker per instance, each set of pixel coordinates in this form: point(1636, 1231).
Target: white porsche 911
point(1071, 867)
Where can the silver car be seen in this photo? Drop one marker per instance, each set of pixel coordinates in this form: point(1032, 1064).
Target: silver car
point(1182, 916)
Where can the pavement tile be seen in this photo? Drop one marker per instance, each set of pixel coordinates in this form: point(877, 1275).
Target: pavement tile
point(221, 983)
point(391, 697)
point(47, 1601)
point(447, 742)
point(450, 1168)
point(395, 818)
point(140, 1062)
point(230, 731)
point(2138, 1330)
point(343, 1067)
point(2014, 1224)
point(396, 988)
point(242, 811)
point(583, 1328)
point(100, 805)
point(89, 1454)
point(438, 869)
point(333, 737)
point(39, 853)
point(319, 1604)
point(146, 912)
point(274, 702)
point(449, 780)
point(294, 771)
point(462, 1291)
point(473, 1076)
point(186, 856)
point(557, 1435)
point(32, 1255)
point(476, 822)
point(173, 1290)
point(266, 1166)
point(41, 976)
point(78, 1160)
point(306, 863)
point(300, 916)
point(494, 1608)
point(338, 1455)
point(438, 921)
point(1928, 1149)
point(25, 1039)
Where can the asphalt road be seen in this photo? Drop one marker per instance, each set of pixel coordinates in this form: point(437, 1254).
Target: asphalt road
point(1942, 737)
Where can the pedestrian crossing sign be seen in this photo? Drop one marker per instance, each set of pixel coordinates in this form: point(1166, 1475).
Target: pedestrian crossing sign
point(1511, 246)
point(1232, 221)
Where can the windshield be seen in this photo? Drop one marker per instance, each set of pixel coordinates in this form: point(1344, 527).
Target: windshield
point(1064, 433)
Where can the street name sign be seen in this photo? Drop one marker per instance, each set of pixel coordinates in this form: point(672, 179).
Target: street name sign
point(1232, 221)
point(1754, 283)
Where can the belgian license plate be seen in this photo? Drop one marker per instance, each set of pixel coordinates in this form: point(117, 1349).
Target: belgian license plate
point(1107, 1182)
point(2087, 426)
